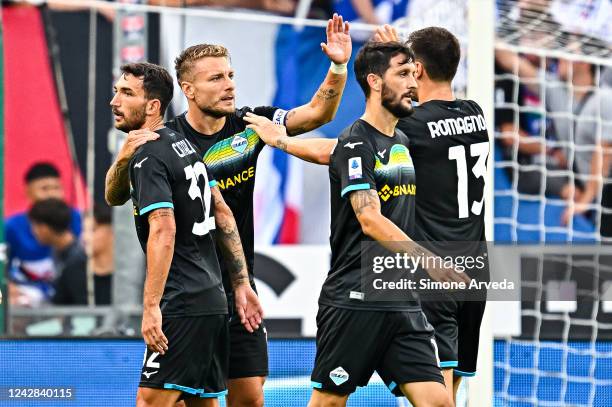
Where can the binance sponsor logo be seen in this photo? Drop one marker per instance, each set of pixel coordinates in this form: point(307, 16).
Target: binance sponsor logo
point(236, 179)
point(387, 192)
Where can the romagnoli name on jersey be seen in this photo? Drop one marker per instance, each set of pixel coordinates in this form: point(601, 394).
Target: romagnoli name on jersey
point(456, 126)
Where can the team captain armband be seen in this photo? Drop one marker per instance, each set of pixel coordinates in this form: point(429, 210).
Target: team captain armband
point(280, 117)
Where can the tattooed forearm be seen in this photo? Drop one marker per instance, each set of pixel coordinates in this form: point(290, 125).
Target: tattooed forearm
point(360, 200)
point(160, 213)
point(327, 94)
point(117, 184)
point(281, 143)
point(228, 238)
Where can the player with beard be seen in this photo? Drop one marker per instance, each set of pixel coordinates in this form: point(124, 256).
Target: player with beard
point(230, 151)
point(371, 158)
point(446, 135)
point(449, 144)
point(184, 321)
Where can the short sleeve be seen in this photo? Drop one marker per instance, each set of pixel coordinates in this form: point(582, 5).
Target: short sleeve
point(150, 180)
point(212, 182)
point(354, 160)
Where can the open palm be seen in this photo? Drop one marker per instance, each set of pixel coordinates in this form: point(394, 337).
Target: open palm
point(339, 45)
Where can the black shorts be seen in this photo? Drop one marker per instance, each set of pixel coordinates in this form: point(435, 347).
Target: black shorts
point(248, 356)
point(196, 361)
point(457, 326)
point(352, 344)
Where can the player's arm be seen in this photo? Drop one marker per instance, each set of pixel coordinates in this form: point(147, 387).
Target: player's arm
point(227, 237)
point(324, 104)
point(117, 185)
point(374, 224)
point(314, 150)
point(160, 249)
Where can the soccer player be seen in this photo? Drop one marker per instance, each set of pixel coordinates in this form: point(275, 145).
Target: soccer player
point(447, 136)
point(370, 159)
point(179, 214)
point(449, 144)
point(213, 124)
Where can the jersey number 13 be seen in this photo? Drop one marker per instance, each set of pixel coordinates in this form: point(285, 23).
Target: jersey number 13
point(457, 153)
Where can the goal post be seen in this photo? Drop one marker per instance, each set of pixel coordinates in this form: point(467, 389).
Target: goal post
point(480, 80)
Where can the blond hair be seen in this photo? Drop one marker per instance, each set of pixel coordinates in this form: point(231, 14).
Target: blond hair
point(185, 61)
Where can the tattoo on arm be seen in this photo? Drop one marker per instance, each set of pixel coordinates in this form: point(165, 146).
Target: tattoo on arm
point(281, 143)
point(228, 239)
point(326, 94)
point(117, 184)
point(360, 200)
point(160, 213)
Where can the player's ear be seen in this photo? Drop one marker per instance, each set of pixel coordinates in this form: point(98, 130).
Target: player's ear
point(419, 71)
point(187, 88)
point(375, 82)
point(153, 107)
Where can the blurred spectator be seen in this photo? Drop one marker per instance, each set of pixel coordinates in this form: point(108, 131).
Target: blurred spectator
point(582, 117)
point(98, 242)
point(31, 269)
point(523, 131)
point(588, 17)
point(51, 225)
point(373, 12)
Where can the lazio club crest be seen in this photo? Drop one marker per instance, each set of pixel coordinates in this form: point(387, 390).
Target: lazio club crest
point(239, 144)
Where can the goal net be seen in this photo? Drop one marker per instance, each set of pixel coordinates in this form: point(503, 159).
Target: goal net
point(553, 123)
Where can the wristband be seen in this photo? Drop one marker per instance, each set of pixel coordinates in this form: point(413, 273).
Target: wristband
point(338, 69)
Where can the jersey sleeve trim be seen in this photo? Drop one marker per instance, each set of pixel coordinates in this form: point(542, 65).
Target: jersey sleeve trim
point(464, 374)
point(355, 187)
point(157, 205)
point(212, 183)
point(449, 363)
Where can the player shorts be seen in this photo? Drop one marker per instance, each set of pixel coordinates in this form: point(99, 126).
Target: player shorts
point(196, 361)
point(352, 344)
point(457, 326)
point(248, 356)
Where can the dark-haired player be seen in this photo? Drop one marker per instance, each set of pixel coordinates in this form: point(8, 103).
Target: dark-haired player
point(230, 151)
point(179, 214)
point(449, 144)
point(357, 335)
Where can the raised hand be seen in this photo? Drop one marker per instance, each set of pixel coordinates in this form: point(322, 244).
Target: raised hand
point(339, 46)
point(386, 33)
